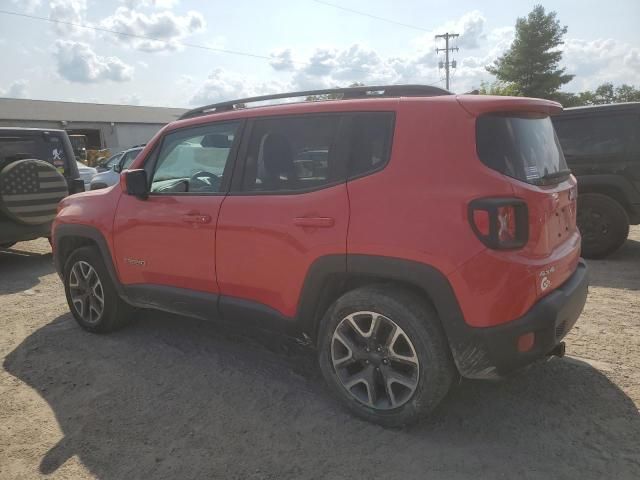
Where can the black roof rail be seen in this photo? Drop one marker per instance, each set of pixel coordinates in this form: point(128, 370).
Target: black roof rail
point(347, 93)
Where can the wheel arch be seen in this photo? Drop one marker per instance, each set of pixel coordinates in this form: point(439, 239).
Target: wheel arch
point(68, 238)
point(332, 276)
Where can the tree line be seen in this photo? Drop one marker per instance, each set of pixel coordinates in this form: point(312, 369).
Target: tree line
point(530, 67)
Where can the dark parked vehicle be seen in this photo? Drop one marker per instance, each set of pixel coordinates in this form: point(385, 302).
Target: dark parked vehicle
point(37, 170)
point(602, 147)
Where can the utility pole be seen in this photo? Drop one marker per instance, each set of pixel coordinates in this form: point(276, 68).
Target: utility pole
point(446, 51)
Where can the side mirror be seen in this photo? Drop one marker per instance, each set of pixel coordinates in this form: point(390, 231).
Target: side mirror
point(77, 186)
point(117, 168)
point(135, 182)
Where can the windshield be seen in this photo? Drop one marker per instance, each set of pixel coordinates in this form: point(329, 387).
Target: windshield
point(129, 157)
point(111, 161)
point(522, 147)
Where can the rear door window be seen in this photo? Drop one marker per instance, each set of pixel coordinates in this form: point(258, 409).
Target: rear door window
point(370, 142)
point(522, 147)
point(42, 146)
point(293, 154)
point(598, 134)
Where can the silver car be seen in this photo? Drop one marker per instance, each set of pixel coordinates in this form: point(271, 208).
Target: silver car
point(112, 176)
point(86, 174)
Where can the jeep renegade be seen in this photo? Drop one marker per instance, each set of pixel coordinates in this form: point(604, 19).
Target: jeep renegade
point(411, 234)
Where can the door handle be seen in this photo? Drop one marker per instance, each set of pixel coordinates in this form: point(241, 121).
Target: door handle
point(314, 222)
point(196, 218)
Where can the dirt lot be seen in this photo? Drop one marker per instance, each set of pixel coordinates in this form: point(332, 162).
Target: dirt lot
point(172, 397)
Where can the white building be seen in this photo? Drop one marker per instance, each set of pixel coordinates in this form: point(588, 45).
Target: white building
point(115, 127)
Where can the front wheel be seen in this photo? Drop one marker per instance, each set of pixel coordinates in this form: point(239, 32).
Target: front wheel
point(384, 355)
point(91, 295)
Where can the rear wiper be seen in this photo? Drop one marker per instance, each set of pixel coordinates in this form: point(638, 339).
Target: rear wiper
point(548, 177)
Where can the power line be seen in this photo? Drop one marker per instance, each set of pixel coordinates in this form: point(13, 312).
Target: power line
point(138, 36)
point(375, 17)
point(155, 39)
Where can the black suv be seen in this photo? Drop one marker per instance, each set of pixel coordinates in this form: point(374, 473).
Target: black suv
point(37, 169)
point(602, 147)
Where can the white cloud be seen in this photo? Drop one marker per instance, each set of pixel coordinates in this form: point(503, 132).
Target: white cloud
point(17, 89)
point(282, 60)
point(221, 85)
point(69, 11)
point(598, 61)
point(167, 27)
point(148, 3)
point(77, 62)
point(131, 99)
point(28, 5)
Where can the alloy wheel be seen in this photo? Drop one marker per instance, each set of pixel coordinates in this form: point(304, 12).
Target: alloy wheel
point(375, 360)
point(87, 294)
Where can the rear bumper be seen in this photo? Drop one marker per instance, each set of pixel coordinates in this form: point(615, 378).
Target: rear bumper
point(493, 351)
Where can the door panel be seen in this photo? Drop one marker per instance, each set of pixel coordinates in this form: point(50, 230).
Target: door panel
point(163, 240)
point(291, 208)
point(264, 250)
point(168, 239)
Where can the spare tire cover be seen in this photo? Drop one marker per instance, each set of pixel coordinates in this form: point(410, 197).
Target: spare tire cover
point(30, 191)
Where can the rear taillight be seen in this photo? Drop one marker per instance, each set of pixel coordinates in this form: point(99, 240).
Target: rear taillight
point(500, 223)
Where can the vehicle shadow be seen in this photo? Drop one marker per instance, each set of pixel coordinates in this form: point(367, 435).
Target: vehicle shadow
point(21, 269)
point(171, 397)
point(618, 270)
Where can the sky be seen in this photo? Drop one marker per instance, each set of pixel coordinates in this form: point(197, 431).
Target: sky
point(183, 53)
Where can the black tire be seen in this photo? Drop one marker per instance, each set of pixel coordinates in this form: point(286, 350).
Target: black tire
point(116, 313)
point(7, 245)
point(603, 224)
point(419, 321)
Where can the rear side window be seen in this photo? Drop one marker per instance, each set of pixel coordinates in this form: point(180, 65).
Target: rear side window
point(370, 142)
point(42, 146)
point(522, 147)
point(597, 135)
point(293, 153)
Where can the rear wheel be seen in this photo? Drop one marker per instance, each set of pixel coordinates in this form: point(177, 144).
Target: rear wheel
point(384, 355)
point(603, 224)
point(91, 295)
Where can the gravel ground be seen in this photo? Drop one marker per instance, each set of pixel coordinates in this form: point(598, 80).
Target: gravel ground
point(171, 397)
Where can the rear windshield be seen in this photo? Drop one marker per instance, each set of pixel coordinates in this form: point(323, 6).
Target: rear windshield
point(47, 147)
point(522, 147)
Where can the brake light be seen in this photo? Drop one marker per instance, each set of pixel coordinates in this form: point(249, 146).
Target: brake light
point(506, 223)
point(500, 223)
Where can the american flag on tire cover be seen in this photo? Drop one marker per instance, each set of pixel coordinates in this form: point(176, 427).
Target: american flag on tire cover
point(30, 191)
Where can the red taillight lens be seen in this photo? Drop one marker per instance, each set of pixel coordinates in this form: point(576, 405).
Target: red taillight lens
point(506, 224)
point(500, 223)
point(481, 221)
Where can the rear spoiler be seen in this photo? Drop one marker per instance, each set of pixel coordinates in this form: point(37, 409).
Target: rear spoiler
point(478, 104)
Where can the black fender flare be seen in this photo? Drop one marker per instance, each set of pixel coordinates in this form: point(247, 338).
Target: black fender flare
point(65, 231)
point(429, 280)
point(591, 183)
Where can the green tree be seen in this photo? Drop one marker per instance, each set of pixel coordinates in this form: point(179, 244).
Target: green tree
point(497, 88)
point(627, 93)
point(530, 65)
point(603, 94)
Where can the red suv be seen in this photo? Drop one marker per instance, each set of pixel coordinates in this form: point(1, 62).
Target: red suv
point(412, 235)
